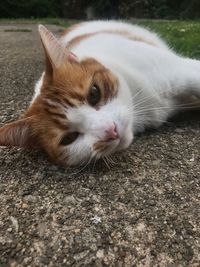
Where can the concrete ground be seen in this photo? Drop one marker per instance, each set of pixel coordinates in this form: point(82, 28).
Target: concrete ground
point(143, 211)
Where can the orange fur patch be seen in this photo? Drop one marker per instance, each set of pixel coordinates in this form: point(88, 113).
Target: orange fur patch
point(71, 28)
point(18, 133)
point(128, 35)
point(100, 146)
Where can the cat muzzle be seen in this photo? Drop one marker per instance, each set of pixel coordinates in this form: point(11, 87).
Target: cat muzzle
point(111, 133)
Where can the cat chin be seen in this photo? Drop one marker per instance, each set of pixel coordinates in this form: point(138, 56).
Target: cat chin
point(125, 142)
point(125, 133)
point(119, 145)
point(113, 146)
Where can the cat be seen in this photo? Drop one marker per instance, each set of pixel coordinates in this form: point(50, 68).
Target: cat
point(103, 82)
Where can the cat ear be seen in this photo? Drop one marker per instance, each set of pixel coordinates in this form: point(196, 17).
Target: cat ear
point(17, 133)
point(55, 53)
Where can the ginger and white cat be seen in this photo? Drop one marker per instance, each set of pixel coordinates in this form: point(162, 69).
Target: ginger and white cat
point(103, 82)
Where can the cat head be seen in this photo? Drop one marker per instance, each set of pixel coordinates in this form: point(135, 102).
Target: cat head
point(82, 110)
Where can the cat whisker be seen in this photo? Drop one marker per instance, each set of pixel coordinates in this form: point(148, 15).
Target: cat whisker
point(138, 92)
point(111, 160)
point(164, 108)
point(95, 160)
point(142, 100)
point(150, 97)
point(181, 105)
point(83, 168)
point(106, 162)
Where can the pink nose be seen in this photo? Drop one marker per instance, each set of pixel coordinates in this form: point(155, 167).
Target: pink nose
point(111, 133)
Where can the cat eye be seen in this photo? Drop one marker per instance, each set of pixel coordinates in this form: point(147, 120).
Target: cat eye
point(69, 138)
point(94, 95)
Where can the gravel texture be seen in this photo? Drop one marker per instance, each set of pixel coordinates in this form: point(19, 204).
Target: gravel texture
point(142, 211)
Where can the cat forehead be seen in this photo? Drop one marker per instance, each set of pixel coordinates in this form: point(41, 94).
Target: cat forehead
point(76, 70)
point(81, 73)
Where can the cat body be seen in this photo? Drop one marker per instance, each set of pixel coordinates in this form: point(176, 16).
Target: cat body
point(103, 82)
point(140, 65)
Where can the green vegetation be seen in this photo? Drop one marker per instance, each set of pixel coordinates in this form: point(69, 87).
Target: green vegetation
point(78, 9)
point(182, 36)
point(160, 9)
point(18, 30)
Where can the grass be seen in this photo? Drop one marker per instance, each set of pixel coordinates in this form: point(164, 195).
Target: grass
point(182, 36)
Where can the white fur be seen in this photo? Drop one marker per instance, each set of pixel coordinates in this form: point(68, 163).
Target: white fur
point(96, 26)
point(150, 80)
point(38, 87)
point(157, 72)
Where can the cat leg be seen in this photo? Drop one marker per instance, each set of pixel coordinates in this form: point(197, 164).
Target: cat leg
point(185, 83)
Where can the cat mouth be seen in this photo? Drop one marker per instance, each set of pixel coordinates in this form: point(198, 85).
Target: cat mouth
point(121, 144)
point(106, 147)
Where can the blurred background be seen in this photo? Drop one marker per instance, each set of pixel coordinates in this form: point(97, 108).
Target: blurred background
point(177, 21)
point(91, 9)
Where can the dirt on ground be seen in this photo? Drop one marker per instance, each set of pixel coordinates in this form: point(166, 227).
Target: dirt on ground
point(144, 210)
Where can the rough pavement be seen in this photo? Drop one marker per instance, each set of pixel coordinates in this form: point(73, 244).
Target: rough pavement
point(143, 211)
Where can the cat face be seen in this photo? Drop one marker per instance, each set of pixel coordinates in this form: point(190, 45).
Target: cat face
point(81, 112)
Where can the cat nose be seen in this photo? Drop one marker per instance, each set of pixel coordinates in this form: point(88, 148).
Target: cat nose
point(111, 132)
